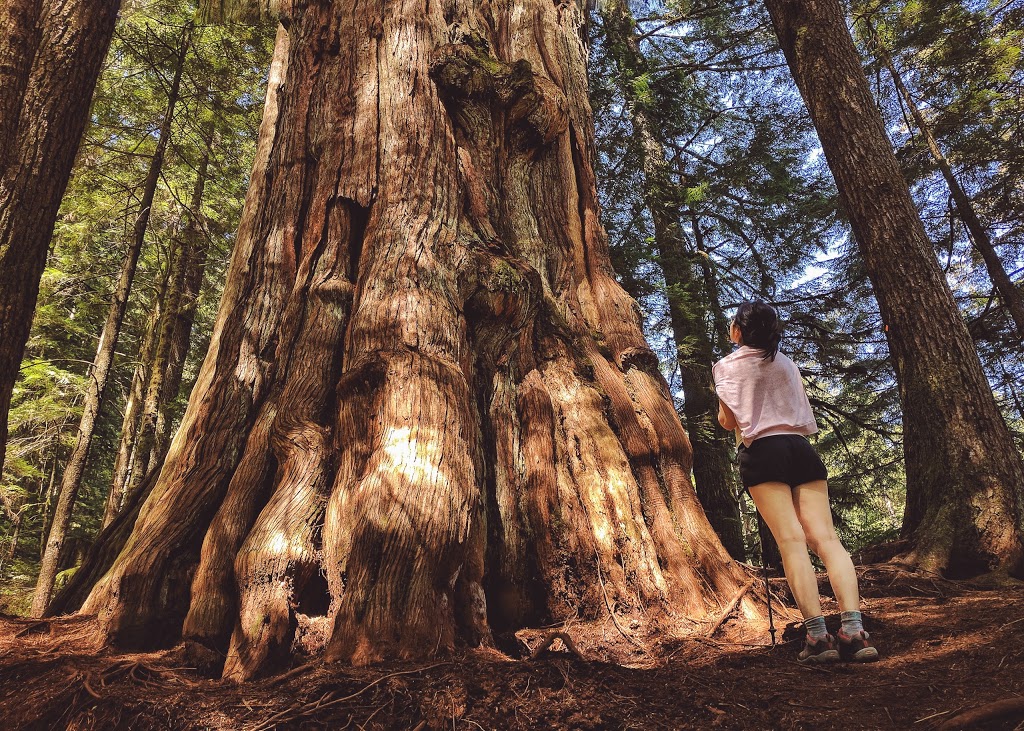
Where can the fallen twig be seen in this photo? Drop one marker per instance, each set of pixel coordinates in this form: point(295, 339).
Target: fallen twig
point(293, 672)
point(729, 609)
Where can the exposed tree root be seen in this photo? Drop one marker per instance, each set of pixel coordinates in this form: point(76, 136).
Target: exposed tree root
point(325, 701)
point(550, 639)
point(611, 613)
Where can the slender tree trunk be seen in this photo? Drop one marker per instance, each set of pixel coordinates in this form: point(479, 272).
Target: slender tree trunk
point(199, 244)
point(73, 40)
point(133, 413)
point(1009, 294)
point(47, 502)
point(18, 43)
point(427, 408)
point(964, 475)
point(16, 519)
point(157, 375)
point(13, 548)
point(173, 341)
point(712, 469)
point(75, 468)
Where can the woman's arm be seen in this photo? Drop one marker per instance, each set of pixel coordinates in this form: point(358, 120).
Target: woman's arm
point(725, 416)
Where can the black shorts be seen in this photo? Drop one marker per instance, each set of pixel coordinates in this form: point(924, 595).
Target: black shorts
point(787, 458)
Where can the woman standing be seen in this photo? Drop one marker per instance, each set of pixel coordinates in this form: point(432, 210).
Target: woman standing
point(762, 398)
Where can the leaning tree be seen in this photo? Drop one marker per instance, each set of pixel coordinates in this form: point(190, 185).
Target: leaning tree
point(965, 477)
point(427, 413)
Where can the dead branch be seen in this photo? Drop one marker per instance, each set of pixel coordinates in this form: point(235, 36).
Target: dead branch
point(729, 609)
point(988, 712)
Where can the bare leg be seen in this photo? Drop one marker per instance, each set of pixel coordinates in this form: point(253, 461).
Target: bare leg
point(775, 502)
point(815, 516)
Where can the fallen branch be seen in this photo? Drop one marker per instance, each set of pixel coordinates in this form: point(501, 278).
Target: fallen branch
point(294, 671)
point(729, 609)
point(988, 712)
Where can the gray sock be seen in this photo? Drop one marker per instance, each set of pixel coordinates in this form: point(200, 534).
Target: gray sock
point(853, 623)
point(815, 627)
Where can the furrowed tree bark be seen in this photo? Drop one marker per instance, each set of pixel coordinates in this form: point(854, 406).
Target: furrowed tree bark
point(964, 474)
point(53, 109)
point(102, 363)
point(1009, 293)
point(688, 307)
point(20, 21)
point(427, 409)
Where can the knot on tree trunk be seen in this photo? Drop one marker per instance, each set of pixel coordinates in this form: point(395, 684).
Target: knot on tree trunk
point(642, 358)
point(471, 79)
point(505, 303)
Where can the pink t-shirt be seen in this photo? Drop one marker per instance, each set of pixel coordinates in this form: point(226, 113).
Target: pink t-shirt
point(766, 396)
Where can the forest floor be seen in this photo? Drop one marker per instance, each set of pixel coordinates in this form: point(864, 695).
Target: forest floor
point(946, 649)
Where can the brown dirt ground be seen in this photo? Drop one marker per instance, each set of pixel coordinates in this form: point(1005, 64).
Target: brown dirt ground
point(947, 648)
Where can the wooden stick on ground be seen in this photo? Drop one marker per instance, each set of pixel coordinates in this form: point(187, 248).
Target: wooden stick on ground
point(728, 609)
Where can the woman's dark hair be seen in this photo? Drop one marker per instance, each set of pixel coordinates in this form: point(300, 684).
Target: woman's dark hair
point(759, 326)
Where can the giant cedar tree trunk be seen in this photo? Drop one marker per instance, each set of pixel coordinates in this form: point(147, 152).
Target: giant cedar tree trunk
point(73, 36)
point(712, 468)
point(964, 475)
point(427, 408)
point(104, 358)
